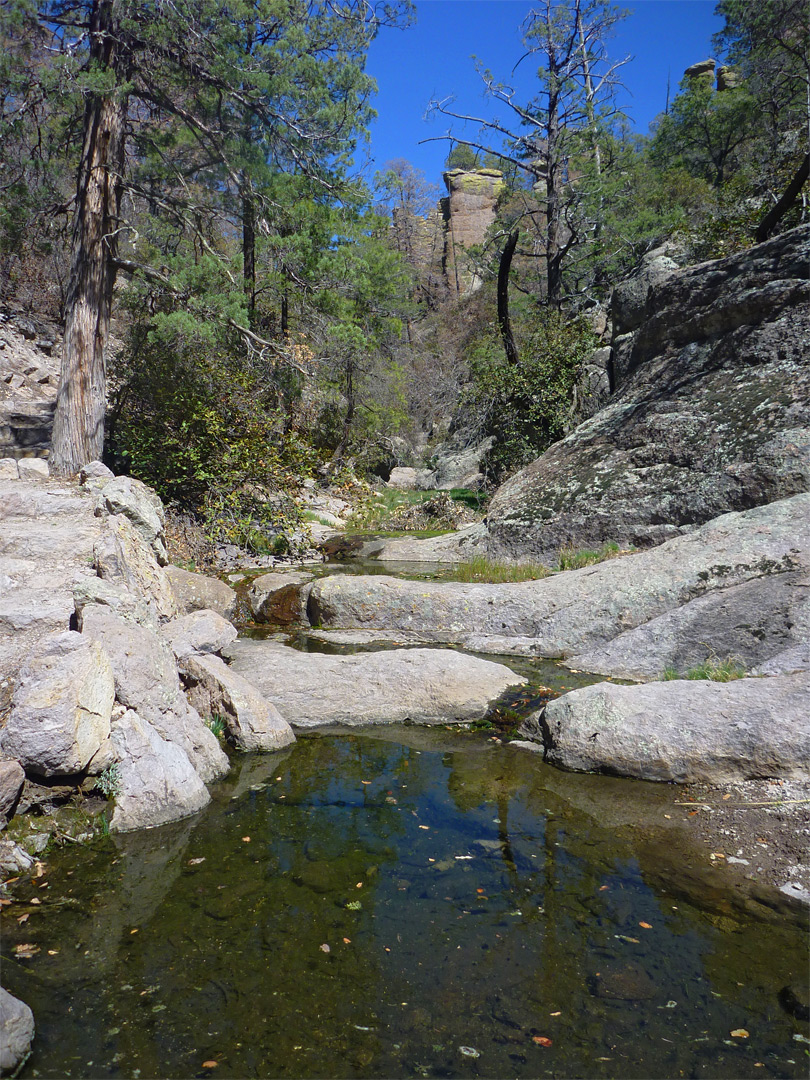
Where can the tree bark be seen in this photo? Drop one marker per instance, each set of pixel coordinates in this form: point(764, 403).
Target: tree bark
point(78, 432)
point(249, 250)
point(503, 299)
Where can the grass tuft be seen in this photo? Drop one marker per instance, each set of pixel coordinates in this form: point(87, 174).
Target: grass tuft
point(712, 669)
point(573, 559)
point(481, 569)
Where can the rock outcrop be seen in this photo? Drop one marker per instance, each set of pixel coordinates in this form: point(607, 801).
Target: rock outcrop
point(577, 610)
point(469, 210)
point(90, 646)
point(711, 411)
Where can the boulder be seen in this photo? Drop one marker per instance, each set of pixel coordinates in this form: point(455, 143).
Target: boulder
point(253, 722)
point(147, 682)
point(139, 503)
point(425, 686)
point(405, 478)
point(122, 557)
point(8, 469)
point(712, 413)
point(33, 468)
point(16, 1031)
point(14, 859)
point(702, 67)
point(728, 78)
point(12, 778)
point(277, 597)
point(195, 591)
point(157, 782)
point(95, 470)
point(61, 706)
point(628, 304)
point(198, 632)
point(683, 731)
point(567, 613)
point(752, 622)
point(118, 598)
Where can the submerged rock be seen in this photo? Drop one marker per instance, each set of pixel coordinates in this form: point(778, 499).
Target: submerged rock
point(682, 731)
point(427, 686)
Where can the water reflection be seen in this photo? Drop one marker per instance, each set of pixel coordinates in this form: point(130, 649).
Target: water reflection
point(402, 903)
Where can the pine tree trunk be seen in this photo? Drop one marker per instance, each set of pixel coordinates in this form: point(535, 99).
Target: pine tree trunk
point(249, 250)
point(78, 432)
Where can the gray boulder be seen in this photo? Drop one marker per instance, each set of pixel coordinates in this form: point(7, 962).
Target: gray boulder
point(198, 632)
point(16, 1031)
point(459, 546)
point(567, 613)
point(712, 414)
point(122, 558)
point(118, 598)
point(157, 782)
point(196, 591)
point(33, 468)
point(425, 686)
point(752, 622)
point(147, 682)
point(61, 707)
point(253, 722)
point(139, 503)
point(277, 597)
point(682, 731)
point(12, 778)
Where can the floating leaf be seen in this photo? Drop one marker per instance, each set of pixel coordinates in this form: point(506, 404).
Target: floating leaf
point(602, 888)
point(557, 1013)
point(26, 951)
point(347, 941)
point(324, 948)
point(541, 1040)
point(245, 839)
point(210, 1064)
point(739, 1033)
point(469, 1051)
point(645, 925)
point(196, 862)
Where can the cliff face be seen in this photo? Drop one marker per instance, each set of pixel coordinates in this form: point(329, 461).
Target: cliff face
point(711, 412)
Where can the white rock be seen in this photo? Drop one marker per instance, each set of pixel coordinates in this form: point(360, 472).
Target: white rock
point(158, 783)
point(200, 631)
point(33, 468)
point(213, 689)
point(16, 1031)
point(61, 707)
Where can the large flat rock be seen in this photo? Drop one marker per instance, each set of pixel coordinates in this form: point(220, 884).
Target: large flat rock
point(570, 612)
point(426, 686)
point(682, 731)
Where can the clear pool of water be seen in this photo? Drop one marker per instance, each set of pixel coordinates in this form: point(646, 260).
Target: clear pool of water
point(399, 903)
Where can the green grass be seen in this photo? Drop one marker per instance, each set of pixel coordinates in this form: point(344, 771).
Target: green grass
point(481, 569)
point(217, 725)
point(573, 559)
point(712, 669)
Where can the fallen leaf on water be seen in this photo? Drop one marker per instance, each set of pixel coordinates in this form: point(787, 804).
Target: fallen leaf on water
point(245, 839)
point(739, 1033)
point(347, 941)
point(693, 812)
point(424, 826)
point(23, 918)
point(479, 891)
point(33, 900)
point(645, 925)
point(135, 931)
point(53, 952)
point(359, 885)
point(624, 937)
point(365, 781)
point(727, 795)
point(557, 1013)
point(541, 1040)
point(5, 903)
point(196, 862)
point(602, 888)
point(210, 1064)
point(39, 868)
point(26, 950)
point(324, 948)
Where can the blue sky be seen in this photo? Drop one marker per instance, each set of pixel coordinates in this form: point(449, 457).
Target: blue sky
point(433, 59)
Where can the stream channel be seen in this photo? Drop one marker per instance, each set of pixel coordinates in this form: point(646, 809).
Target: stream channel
point(404, 901)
